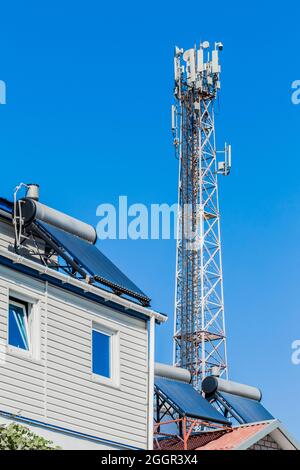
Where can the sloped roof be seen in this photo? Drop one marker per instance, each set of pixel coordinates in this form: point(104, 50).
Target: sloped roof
point(237, 438)
point(194, 442)
point(93, 262)
point(95, 292)
point(232, 439)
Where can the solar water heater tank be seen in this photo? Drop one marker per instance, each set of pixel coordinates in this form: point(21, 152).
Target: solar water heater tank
point(172, 372)
point(32, 211)
point(212, 385)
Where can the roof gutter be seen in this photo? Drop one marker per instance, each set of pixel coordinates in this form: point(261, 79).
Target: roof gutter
point(86, 288)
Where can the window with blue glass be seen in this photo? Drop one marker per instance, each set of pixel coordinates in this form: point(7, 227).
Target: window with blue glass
point(18, 325)
point(101, 353)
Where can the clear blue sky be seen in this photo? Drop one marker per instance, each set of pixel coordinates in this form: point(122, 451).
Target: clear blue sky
point(89, 89)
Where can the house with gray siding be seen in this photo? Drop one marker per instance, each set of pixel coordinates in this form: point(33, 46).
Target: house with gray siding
point(76, 352)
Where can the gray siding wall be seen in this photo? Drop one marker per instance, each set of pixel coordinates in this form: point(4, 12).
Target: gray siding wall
point(7, 241)
point(6, 235)
point(58, 387)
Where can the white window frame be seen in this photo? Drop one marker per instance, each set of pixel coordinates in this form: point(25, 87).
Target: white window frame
point(25, 308)
point(114, 356)
point(32, 325)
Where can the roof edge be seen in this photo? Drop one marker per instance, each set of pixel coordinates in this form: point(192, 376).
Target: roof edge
point(286, 435)
point(271, 427)
point(86, 288)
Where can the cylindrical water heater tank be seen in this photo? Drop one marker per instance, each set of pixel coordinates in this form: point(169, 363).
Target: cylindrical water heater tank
point(33, 210)
point(212, 384)
point(172, 372)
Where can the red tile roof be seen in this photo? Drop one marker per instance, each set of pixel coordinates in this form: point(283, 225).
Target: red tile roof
point(223, 439)
point(232, 439)
point(195, 441)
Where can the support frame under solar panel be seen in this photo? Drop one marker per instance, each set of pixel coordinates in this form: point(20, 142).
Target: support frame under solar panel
point(175, 393)
point(60, 241)
point(244, 410)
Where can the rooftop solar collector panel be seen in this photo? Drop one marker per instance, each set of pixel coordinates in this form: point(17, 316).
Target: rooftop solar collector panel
point(93, 260)
point(251, 411)
point(188, 401)
point(6, 205)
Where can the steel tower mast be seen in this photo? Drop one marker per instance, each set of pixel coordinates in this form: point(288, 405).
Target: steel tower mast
point(199, 336)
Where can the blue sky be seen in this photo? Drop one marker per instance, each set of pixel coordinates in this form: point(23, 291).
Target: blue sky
point(89, 90)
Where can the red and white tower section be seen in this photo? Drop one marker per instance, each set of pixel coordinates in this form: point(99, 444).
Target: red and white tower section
point(199, 337)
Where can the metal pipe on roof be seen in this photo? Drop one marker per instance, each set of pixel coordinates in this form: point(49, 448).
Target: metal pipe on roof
point(172, 372)
point(33, 210)
point(33, 191)
point(212, 385)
